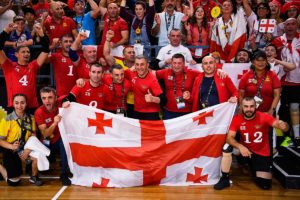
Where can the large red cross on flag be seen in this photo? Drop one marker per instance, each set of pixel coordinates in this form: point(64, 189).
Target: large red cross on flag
point(129, 152)
point(267, 25)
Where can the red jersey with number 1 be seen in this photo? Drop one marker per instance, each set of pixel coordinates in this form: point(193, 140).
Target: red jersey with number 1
point(21, 79)
point(255, 132)
point(64, 72)
point(89, 95)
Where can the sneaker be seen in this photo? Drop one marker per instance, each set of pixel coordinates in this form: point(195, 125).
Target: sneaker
point(65, 180)
point(223, 183)
point(35, 180)
point(287, 142)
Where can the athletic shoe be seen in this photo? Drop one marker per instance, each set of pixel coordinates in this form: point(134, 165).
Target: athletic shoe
point(287, 142)
point(223, 183)
point(65, 180)
point(35, 180)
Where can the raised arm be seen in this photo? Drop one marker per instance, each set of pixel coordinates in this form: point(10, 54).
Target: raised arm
point(95, 12)
point(247, 8)
point(106, 49)
point(102, 7)
point(41, 59)
point(3, 37)
point(75, 46)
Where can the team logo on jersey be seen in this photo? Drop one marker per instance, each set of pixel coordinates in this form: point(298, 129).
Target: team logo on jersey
point(242, 128)
point(48, 120)
point(65, 24)
point(88, 92)
point(144, 87)
point(100, 95)
point(52, 27)
point(257, 126)
point(111, 87)
point(267, 79)
point(17, 68)
point(170, 78)
point(133, 80)
point(63, 60)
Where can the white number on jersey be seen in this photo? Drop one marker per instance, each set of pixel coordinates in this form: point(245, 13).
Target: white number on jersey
point(257, 137)
point(93, 104)
point(70, 70)
point(23, 80)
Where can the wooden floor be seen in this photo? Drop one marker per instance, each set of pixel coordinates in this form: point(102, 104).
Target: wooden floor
point(242, 189)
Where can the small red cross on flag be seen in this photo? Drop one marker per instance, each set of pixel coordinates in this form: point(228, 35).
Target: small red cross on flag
point(267, 25)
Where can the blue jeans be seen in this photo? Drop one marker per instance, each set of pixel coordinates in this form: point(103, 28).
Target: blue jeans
point(59, 147)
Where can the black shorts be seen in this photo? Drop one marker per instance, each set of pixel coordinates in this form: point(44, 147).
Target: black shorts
point(260, 163)
point(12, 163)
point(291, 94)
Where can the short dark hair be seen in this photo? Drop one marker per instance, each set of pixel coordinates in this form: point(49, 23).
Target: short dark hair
point(96, 64)
point(140, 3)
point(48, 90)
point(68, 35)
point(20, 47)
point(115, 66)
point(178, 55)
point(259, 54)
point(19, 95)
point(266, 5)
point(247, 98)
point(244, 50)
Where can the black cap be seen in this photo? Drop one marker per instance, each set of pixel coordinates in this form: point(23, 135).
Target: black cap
point(28, 9)
point(259, 54)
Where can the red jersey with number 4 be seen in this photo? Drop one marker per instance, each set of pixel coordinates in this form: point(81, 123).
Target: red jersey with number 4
point(64, 72)
point(254, 133)
point(89, 95)
point(185, 80)
point(21, 79)
point(113, 93)
point(43, 116)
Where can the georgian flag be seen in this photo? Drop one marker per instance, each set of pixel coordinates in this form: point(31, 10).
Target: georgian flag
point(108, 150)
point(267, 25)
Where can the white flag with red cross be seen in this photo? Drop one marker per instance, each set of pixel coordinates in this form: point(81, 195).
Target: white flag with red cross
point(108, 150)
point(267, 25)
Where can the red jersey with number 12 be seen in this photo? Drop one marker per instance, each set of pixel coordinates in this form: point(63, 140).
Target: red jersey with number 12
point(255, 132)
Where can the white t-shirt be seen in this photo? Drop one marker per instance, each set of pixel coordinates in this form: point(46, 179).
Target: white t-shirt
point(6, 18)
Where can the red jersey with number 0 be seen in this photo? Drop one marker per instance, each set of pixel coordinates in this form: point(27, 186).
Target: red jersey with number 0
point(21, 79)
point(89, 95)
point(254, 133)
point(65, 73)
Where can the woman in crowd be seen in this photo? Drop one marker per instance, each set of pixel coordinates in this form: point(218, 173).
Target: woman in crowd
point(198, 33)
point(261, 83)
point(16, 129)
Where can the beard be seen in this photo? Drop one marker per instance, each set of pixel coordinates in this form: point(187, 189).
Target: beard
point(248, 114)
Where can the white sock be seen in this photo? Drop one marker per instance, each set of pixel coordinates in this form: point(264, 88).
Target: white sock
point(296, 131)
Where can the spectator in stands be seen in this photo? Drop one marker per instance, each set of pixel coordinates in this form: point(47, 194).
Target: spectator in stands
point(275, 8)
point(140, 24)
point(6, 13)
point(91, 94)
point(86, 21)
point(65, 74)
point(126, 63)
point(198, 33)
point(229, 32)
point(116, 88)
point(57, 24)
point(166, 21)
point(16, 129)
point(289, 50)
point(262, 11)
point(41, 7)
point(29, 16)
point(291, 10)
point(261, 83)
point(207, 6)
point(20, 77)
point(253, 129)
point(47, 119)
point(165, 54)
point(242, 56)
point(18, 37)
point(178, 82)
point(112, 21)
point(84, 63)
point(209, 89)
point(147, 92)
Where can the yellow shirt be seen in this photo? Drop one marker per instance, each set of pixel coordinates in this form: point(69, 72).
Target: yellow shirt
point(130, 97)
point(10, 130)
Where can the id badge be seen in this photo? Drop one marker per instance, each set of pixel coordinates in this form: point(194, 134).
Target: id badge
point(120, 111)
point(138, 49)
point(258, 101)
point(180, 102)
point(198, 52)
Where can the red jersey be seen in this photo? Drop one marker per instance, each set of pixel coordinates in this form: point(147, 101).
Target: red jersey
point(21, 79)
point(116, 26)
point(83, 69)
point(183, 82)
point(115, 94)
point(40, 8)
point(207, 7)
point(140, 87)
point(89, 95)
point(255, 132)
point(43, 116)
point(56, 30)
point(271, 82)
point(64, 72)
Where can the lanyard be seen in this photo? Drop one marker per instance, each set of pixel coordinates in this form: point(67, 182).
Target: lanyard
point(200, 33)
point(174, 83)
point(123, 93)
point(261, 83)
point(226, 26)
point(209, 91)
point(168, 22)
